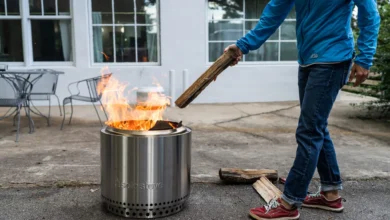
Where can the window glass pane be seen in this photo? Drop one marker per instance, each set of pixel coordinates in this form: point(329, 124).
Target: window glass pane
point(227, 9)
point(146, 11)
point(49, 7)
point(13, 7)
point(63, 7)
point(101, 12)
point(124, 11)
point(125, 44)
point(35, 7)
point(2, 8)
point(103, 44)
point(254, 8)
point(216, 50)
point(147, 43)
point(288, 30)
point(267, 52)
point(52, 40)
point(249, 25)
point(225, 30)
point(288, 51)
point(11, 47)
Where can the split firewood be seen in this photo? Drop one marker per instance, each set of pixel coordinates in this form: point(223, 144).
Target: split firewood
point(271, 186)
point(205, 79)
point(263, 191)
point(266, 189)
point(234, 175)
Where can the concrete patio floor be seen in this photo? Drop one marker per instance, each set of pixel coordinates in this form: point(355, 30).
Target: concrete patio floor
point(249, 135)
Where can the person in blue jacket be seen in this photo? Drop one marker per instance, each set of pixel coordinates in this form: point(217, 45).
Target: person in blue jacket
point(325, 56)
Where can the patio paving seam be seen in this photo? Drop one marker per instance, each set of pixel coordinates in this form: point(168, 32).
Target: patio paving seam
point(251, 115)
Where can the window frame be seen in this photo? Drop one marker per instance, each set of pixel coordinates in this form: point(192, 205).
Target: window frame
point(113, 25)
point(25, 17)
point(49, 17)
point(244, 20)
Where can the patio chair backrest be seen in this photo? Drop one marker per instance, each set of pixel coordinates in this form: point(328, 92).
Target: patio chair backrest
point(93, 83)
point(46, 84)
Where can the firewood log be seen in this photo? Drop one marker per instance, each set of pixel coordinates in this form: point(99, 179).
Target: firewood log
point(234, 175)
point(266, 189)
point(205, 79)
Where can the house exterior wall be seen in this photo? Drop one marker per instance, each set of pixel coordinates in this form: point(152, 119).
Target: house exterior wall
point(183, 43)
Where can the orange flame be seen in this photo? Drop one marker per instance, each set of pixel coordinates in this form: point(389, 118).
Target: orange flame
point(121, 115)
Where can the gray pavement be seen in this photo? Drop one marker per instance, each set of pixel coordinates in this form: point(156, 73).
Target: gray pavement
point(247, 135)
point(366, 200)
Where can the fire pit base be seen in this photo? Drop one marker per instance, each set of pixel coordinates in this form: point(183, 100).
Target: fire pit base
point(156, 210)
point(145, 174)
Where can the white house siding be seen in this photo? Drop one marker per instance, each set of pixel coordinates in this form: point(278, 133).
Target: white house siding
point(183, 37)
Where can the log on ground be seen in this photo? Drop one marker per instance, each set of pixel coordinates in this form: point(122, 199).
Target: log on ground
point(234, 175)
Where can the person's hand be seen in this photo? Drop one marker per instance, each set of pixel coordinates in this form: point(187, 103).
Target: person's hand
point(360, 73)
point(237, 53)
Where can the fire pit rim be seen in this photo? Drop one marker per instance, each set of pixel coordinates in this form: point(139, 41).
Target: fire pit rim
point(129, 133)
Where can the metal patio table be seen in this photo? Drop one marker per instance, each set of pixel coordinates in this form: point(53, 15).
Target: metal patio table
point(32, 76)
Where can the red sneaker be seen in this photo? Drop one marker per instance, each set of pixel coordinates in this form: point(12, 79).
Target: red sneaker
point(274, 211)
point(319, 201)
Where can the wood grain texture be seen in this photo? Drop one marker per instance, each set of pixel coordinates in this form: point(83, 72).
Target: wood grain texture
point(205, 79)
point(234, 175)
point(263, 191)
point(266, 189)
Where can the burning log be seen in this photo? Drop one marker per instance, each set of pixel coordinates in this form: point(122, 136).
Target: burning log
point(266, 189)
point(234, 175)
point(205, 79)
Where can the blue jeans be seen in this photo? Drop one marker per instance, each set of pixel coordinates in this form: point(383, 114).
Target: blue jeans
point(319, 85)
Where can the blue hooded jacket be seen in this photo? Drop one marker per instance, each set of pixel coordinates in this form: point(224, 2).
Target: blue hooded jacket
point(323, 28)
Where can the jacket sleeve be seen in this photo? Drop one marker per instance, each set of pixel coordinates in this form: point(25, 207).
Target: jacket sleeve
point(272, 17)
point(368, 23)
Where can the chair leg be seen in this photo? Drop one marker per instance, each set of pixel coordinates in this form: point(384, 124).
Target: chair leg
point(59, 104)
point(63, 119)
point(48, 117)
point(104, 110)
point(18, 128)
point(97, 114)
point(71, 111)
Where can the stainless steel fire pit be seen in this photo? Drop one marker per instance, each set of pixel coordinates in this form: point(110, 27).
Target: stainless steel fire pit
point(145, 174)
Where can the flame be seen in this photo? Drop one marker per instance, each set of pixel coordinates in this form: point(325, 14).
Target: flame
point(141, 116)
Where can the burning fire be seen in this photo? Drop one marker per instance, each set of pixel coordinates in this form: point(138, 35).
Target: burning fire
point(141, 116)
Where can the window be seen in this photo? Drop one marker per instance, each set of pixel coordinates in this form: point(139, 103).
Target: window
point(46, 31)
point(229, 20)
point(51, 30)
point(11, 48)
point(125, 31)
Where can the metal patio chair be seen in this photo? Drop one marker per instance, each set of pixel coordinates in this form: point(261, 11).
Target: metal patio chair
point(43, 89)
point(94, 95)
point(14, 92)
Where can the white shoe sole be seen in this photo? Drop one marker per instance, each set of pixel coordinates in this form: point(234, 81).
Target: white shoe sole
point(324, 208)
point(284, 218)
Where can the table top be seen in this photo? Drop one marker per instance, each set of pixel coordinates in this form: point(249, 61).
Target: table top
point(30, 72)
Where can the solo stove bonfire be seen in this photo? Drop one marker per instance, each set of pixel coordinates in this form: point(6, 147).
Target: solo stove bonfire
point(145, 160)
